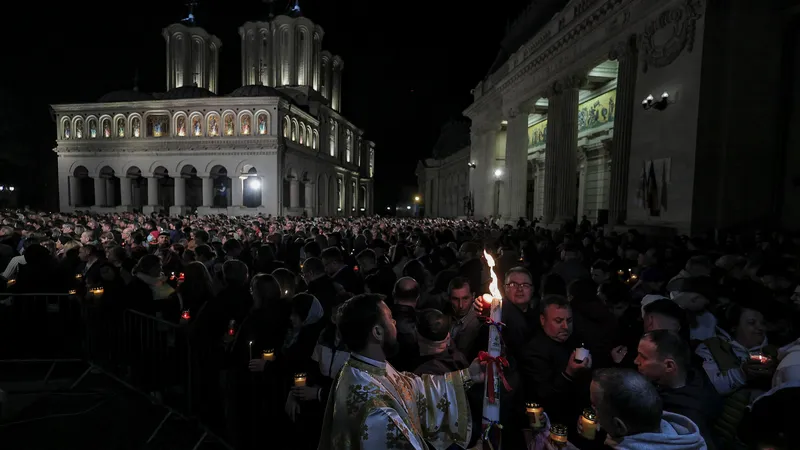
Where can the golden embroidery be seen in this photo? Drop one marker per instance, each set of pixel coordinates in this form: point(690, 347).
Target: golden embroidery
point(443, 405)
point(402, 386)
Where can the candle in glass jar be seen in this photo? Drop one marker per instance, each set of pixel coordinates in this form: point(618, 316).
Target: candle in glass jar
point(72, 292)
point(300, 379)
point(268, 355)
point(232, 328)
point(78, 276)
point(185, 315)
point(558, 435)
point(535, 415)
point(588, 422)
point(97, 291)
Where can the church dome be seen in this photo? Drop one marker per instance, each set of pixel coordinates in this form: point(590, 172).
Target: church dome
point(185, 92)
point(257, 90)
point(125, 95)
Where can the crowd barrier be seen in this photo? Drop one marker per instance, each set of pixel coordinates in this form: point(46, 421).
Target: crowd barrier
point(145, 353)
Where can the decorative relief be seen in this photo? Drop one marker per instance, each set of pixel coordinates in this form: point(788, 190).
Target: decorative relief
point(665, 39)
point(624, 49)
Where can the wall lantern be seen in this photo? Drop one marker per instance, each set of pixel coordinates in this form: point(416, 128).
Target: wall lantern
point(651, 103)
point(472, 165)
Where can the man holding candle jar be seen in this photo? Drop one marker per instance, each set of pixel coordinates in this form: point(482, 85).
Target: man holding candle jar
point(553, 365)
point(629, 408)
point(374, 406)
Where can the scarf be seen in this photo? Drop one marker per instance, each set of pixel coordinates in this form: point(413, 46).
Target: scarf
point(314, 315)
point(428, 347)
point(158, 285)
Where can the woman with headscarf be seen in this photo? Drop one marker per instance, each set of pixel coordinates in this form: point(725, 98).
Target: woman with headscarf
point(303, 404)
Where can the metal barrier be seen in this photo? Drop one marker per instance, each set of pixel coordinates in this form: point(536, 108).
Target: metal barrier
point(147, 354)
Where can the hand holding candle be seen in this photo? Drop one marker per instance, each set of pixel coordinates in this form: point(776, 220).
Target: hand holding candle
point(587, 424)
point(535, 415)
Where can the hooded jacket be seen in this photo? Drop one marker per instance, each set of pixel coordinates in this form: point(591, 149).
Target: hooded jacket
point(677, 433)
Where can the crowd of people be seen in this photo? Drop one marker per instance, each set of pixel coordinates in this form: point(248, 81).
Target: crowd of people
point(368, 330)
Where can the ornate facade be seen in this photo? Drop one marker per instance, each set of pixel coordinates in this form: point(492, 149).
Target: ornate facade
point(277, 145)
point(626, 111)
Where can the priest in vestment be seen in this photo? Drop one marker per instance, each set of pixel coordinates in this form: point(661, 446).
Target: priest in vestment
point(373, 406)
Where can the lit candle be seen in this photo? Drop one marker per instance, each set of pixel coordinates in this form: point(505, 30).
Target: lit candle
point(588, 422)
point(11, 282)
point(72, 292)
point(98, 291)
point(535, 414)
point(558, 435)
point(78, 276)
point(232, 328)
point(185, 315)
point(300, 379)
point(268, 355)
point(620, 272)
point(172, 277)
point(493, 309)
point(250, 349)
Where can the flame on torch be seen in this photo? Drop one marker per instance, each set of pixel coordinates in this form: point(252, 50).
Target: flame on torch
point(494, 287)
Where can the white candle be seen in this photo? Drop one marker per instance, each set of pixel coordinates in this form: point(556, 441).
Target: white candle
point(491, 410)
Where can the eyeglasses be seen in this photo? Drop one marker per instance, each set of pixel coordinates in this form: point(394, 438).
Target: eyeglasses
point(513, 285)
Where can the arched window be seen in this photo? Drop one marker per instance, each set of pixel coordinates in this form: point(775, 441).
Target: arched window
point(121, 127)
point(348, 145)
point(212, 125)
point(197, 125)
point(286, 126)
point(106, 125)
point(315, 140)
point(180, 125)
point(301, 138)
point(136, 127)
point(92, 128)
point(262, 123)
point(227, 118)
point(308, 136)
point(245, 124)
point(67, 130)
point(294, 130)
point(79, 128)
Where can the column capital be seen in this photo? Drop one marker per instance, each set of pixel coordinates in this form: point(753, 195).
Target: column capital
point(624, 49)
point(566, 83)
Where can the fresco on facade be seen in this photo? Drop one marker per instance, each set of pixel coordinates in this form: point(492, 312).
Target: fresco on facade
point(537, 134)
point(597, 112)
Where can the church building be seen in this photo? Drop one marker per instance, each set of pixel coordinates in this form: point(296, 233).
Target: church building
point(276, 145)
point(671, 116)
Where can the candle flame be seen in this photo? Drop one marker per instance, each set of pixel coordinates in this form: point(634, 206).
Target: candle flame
point(494, 287)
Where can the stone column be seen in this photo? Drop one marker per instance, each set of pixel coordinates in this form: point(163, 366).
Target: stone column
point(125, 191)
point(294, 193)
point(237, 186)
point(74, 191)
point(309, 187)
point(208, 192)
point(152, 191)
point(627, 55)
point(263, 191)
point(180, 191)
point(516, 171)
point(111, 193)
point(561, 152)
point(99, 192)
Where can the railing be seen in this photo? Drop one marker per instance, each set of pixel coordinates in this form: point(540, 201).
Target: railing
point(147, 354)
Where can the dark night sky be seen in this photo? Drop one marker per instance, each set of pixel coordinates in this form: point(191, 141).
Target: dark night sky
point(409, 66)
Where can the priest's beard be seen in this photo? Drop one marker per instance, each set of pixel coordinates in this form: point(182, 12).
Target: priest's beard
point(390, 347)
